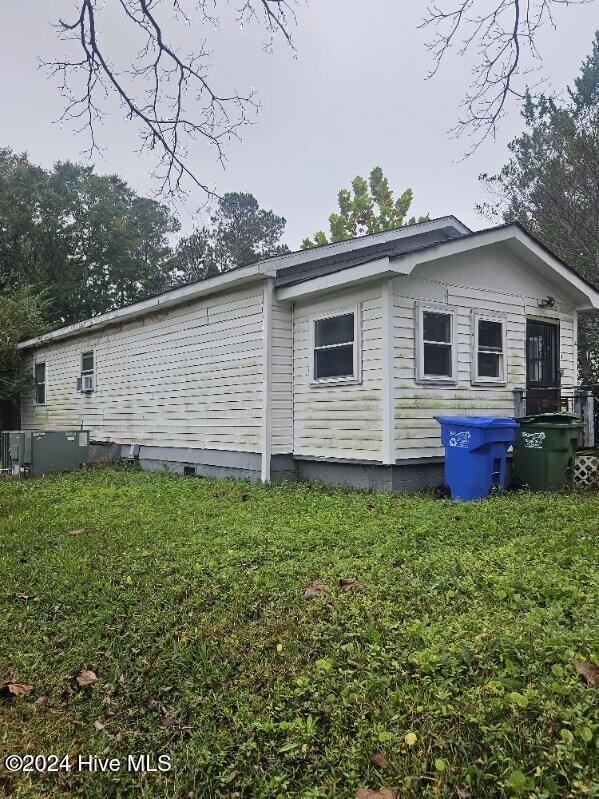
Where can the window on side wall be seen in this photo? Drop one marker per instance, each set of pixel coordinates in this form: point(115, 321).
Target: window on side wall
point(335, 348)
point(40, 383)
point(86, 382)
point(436, 347)
point(489, 355)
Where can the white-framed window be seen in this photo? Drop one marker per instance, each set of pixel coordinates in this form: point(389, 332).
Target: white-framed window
point(436, 348)
point(40, 382)
point(489, 348)
point(335, 347)
point(87, 382)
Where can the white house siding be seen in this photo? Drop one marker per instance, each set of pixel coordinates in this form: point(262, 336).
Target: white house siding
point(186, 377)
point(282, 379)
point(484, 281)
point(339, 421)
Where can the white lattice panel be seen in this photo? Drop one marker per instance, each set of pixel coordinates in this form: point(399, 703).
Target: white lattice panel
point(586, 471)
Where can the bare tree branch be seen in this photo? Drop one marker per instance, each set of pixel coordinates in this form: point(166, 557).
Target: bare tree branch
point(169, 94)
point(502, 35)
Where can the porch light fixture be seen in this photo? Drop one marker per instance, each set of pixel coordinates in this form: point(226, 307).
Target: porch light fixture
point(547, 303)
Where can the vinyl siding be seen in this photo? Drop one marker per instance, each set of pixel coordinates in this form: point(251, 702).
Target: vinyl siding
point(187, 377)
point(339, 421)
point(416, 432)
point(282, 378)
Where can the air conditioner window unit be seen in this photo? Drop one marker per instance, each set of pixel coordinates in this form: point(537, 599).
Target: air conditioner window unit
point(87, 383)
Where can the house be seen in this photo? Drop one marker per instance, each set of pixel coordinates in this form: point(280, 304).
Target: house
point(329, 363)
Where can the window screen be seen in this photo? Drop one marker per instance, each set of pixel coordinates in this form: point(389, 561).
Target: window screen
point(87, 362)
point(436, 340)
point(334, 341)
point(40, 383)
point(490, 349)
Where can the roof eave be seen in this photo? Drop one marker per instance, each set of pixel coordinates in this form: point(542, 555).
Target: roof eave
point(185, 294)
point(584, 296)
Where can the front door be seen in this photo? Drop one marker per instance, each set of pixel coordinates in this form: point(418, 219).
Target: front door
point(542, 367)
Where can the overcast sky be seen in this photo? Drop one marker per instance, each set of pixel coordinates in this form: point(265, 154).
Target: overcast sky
point(353, 96)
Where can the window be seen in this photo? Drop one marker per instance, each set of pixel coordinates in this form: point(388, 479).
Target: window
point(489, 349)
point(436, 350)
point(40, 383)
point(87, 363)
point(335, 348)
point(86, 382)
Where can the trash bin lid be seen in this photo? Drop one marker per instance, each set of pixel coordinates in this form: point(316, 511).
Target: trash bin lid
point(478, 421)
point(556, 417)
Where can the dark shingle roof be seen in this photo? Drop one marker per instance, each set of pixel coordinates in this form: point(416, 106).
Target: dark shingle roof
point(328, 264)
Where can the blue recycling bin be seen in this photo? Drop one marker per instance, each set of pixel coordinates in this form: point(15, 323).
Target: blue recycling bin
point(475, 453)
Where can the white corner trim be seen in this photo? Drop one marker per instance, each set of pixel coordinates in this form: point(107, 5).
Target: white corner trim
point(388, 399)
point(266, 436)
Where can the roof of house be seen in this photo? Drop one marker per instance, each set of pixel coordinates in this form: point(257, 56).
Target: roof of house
point(388, 252)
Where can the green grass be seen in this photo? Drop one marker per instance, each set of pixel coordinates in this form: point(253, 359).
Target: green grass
point(185, 596)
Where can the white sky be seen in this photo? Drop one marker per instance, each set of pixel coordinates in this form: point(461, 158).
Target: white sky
point(353, 97)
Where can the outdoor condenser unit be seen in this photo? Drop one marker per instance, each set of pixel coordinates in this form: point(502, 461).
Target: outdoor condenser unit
point(32, 453)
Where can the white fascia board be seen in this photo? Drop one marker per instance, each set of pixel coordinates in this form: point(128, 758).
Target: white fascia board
point(553, 263)
point(360, 242)
point(522, 244)
point(265, 268)
point(177, 297)
point(336, 280)
point(542, 261)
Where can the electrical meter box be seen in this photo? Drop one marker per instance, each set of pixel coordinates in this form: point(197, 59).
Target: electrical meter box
point(33, 453)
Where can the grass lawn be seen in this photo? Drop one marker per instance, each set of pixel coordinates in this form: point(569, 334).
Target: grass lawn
point(453, 668)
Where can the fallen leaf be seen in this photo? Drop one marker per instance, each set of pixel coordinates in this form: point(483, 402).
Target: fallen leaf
point(98, 726)
point(244, 496)
point(351, 584)
point(463, 793)
point(411, 738)
point(77, 532)
point(315, 589)
point(368, 793)
point(588, 671)
point(41, 701)
point(234, 775)
point(11, 689)
point(379, 760)
point(86, 678)
point(171, 717)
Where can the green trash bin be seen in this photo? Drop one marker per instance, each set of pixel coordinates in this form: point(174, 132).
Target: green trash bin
point(545, 450)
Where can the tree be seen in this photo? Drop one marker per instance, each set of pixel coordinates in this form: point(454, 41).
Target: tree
point(239, 232)
point(22, 315)
point(88, 240)
point(551, 185)
point(166, 92)
point(503, 35)
point(370, 209)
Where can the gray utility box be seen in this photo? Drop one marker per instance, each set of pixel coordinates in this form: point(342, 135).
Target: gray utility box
point(32, 453)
